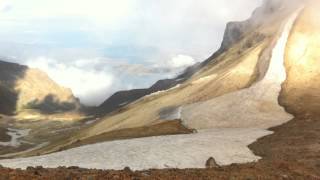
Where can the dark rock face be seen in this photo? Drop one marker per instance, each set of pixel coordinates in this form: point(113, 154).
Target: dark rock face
point(211, 163)
point(122, 98)
point(9, 75)
point(233, 33)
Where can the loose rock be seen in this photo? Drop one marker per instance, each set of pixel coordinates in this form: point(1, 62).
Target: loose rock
point(211, 163)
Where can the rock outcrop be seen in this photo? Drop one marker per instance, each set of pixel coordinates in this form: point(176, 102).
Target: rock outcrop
point(23, 88)
point(211, 163)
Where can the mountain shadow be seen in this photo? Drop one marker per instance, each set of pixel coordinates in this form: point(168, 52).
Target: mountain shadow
point(50, 105)
point(10, 73)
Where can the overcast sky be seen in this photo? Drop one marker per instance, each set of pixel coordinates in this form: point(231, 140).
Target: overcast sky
point(97, 47)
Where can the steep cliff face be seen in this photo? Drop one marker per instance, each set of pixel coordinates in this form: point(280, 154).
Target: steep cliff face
point(262, 16)
point(300, 93)
point(23, 88)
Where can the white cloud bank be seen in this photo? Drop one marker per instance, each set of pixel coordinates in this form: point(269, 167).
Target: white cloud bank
point(181, 61)
point(92, 82)
point(171, 34)
point(86, 83)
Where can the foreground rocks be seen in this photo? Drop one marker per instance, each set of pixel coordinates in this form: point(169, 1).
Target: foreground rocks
point(211, 163)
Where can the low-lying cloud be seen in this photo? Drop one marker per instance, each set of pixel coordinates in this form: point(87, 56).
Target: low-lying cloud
point(86, 83)
point(93, 80)
point(181, 61)
point(98, 47)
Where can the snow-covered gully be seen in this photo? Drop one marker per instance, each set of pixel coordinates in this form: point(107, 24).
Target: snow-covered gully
point(226, 145)
point(255, 107)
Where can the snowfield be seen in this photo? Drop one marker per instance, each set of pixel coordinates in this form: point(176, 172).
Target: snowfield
point(15, 134)
point(255, 107)
point(175, 151)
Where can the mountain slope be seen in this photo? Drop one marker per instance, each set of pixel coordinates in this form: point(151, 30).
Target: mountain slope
point(300, 93)
point(235, 31)
point(122, 98)
point(227, 145)
point(242, 62)
point(25, 89)
point(238, 66)
point(230, 100)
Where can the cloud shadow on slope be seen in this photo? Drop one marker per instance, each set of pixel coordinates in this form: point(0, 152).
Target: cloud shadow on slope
point(50, 105)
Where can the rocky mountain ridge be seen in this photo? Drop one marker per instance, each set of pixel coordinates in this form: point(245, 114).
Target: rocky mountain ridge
point(234, 32)
point(27, 89)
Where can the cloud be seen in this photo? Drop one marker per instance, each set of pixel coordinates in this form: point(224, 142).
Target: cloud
point(101, 11)
point(168, 68)
point(181, 61)
point(86, 83)
point(5, 6)
point(136, 41)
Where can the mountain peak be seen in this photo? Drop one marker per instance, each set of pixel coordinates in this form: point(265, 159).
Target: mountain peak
point(24, 88)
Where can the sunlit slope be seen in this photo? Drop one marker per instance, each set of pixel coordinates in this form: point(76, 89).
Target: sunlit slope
point(28, 92)
point(301, 90)
point(147, 110)
point(248, 70)
point(253, 107)
point(239, 66)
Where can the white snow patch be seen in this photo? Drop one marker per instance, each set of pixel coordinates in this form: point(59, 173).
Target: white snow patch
point(180, 79)
point(15, 134)
point(175, 151)
point(122, 104)
point(92, 121)
point(256, 106)
point(163, 91)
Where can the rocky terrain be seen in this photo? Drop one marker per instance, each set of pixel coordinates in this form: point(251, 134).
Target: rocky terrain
point(262, 84)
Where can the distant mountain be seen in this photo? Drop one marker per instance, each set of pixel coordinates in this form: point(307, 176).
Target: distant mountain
point(122, 98)
point(26, 89)
point(234, 32)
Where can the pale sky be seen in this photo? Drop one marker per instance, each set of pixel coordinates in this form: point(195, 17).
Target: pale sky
point(97, 47)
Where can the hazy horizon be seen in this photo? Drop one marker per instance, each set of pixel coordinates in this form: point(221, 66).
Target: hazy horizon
point(98, 47)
